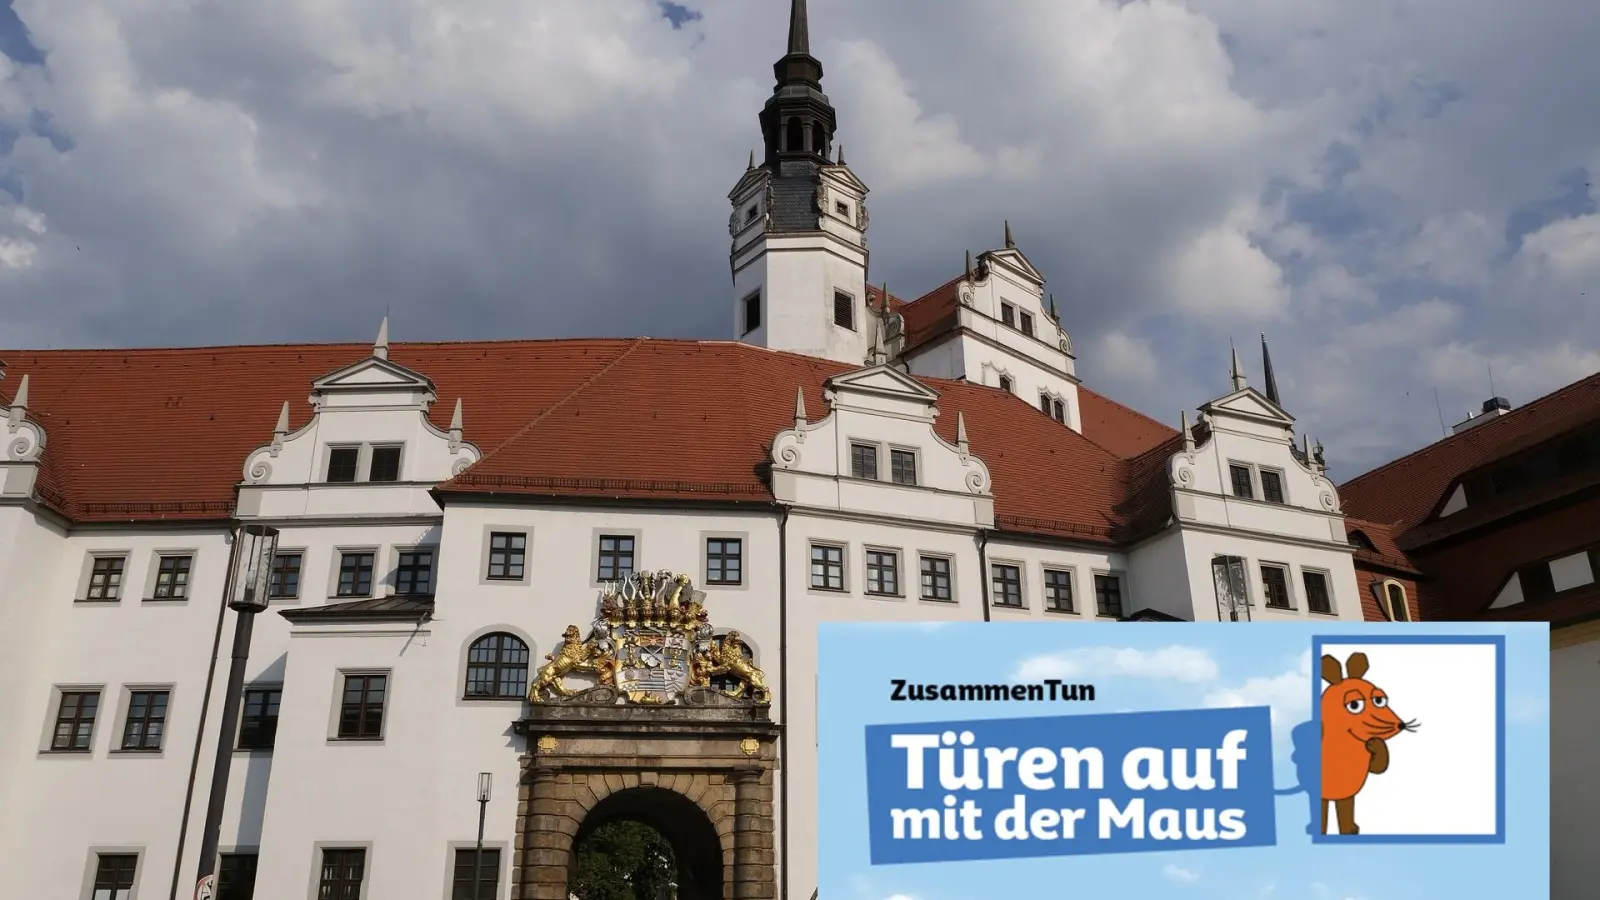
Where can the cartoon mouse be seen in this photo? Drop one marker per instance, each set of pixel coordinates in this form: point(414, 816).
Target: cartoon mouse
point(1357, 723)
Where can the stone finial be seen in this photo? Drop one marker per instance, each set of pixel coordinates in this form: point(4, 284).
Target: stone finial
point(1188, 434)
point(281, 430)
point(752, 163)
point(455, 423)
point(841, 154)
point(1010, 243)
point(19, 405)
point(961, 432)
point(1054, 316)
point(969, 265)
point(799, 407)
point(1237, 371)
point(380, 347)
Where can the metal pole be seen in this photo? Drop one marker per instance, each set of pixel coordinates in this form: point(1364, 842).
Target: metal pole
point(219, 772)
point(477, 858)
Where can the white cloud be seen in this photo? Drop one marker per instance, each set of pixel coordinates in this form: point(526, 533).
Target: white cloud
point(1287, 693)
point(1128, 359)
point(1175, 663)
point(1179, 875)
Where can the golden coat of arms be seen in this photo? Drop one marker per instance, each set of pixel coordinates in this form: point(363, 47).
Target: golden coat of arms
point(652, 642)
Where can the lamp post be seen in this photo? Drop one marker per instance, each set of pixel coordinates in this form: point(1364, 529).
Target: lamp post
point(257, 544)
point(485, 782)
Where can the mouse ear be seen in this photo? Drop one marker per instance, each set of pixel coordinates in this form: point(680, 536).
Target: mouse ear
point(1331, 671)
point(1357, 665)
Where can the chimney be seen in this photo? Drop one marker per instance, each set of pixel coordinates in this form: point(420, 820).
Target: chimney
point(1493, 408)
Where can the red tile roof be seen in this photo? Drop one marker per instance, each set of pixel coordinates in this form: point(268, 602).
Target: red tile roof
point(163, 434)
point(1404, 492)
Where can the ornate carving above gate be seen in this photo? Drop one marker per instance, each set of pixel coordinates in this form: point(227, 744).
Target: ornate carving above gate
point(652, 644)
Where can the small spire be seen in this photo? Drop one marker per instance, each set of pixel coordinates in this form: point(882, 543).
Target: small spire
point(1188, 434)
point(1055, 316)
point(282, 429)
point(19, 405)
point(455, 418)
point(799, 407)
point(799, 29)
point(1305, 443)
point(841, 154)
point(1266, 365)
point(380, 347)
point(1237, 372)
point(969, 264)
point(961, 432)
point(752, 163)
point(1010, 243)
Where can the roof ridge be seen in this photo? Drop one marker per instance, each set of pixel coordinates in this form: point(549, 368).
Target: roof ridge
point(1485, 428)
point(534, 422)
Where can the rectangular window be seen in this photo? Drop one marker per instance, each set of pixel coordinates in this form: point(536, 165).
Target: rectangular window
point(1275, 584)
point(507, 551)
point(724, 561)
point(113, 876)
point(258, 721)
point(355, 575)
point(361, 708)
point(75, 721)
point(1058, 590)
point(342, 463)
point(1005, 383)
point(616, 557)
point(903, 466)
point(1271, 486)
point(342, 871)
point(883, 572)
point(172, 578)
point(105, 579)
point(1241, 482)
point(864, 461)
point(842, 208)
point(1044, 404)
point(1061, 412)
point(1008, 315)
point(827, 567)
point(1027, 324)
point(1007, 585)
point(385, 464)
point(1108, 595)
point(844, 310)
point(284, 579)
point(414, 574)
point(752, 312)
point(488, 874)
point(935, 578)
point(147, 719)
point(236, 876)
point(1317, 599)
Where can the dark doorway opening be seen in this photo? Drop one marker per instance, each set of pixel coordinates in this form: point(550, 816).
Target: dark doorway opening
point(646, 843)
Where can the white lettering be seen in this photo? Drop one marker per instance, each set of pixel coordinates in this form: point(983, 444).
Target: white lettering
point(1131, 818)
point(1185, 780)
point(1232, 824)
point(1230, 754)
point(997, 757)
point(1164, 825)
point(1008, 825)
point(1075, 761)
point(914, 745)
point(1036, 763)
point(1153, 776)
point(916, 821)
point(1042, 824)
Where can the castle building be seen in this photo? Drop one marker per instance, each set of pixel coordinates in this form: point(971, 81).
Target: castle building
point(589, 569)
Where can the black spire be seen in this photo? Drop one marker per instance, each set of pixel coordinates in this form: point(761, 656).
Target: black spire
point(1266, 364)
point(798, 122)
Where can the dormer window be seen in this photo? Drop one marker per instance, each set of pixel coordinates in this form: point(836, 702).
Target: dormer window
point(842, 208)
point(903, 466)
point(844, 310)
point(1027, 324)
point(1008, 315)
point(750, 214)
point(1005, 383)
point(385, 465)
point(342, 463)
point(864, 461)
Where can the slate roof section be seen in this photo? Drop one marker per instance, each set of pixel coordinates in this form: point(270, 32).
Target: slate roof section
point(377, 609)
point(162, 434)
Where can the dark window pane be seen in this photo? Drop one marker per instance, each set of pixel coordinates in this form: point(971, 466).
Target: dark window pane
point(883, 572)
point(385, 464)
point(507, 551)
point(361, 711)
point(1241, 482)
point(752, 310)
point(1027, 324)
point(284, 579)
point(935, 578)
point(1537, 582)
point(1058, 590)
point(1007, 585)
point(1276, 585)
point(75, 720)
point(236, 876)
point(488, 874)
point(414, 574)
point(863, 461)
point(497, 666)
point(1271, 486)
point(1317, 599)
point(1397, 604)
point(1005, 383)
point(113, 876)
point(827, 567)
point(258, 722)
point(616, 558)
point(902, 467)
point(147, 717)
point(355, 574)
point(1061, 412)
point(342, 463)
point(105, 578)
point(172, 578)
point(341, 876)
point(724, 561)
point(1108, 595)
point(1008, 314)
point(844, 310)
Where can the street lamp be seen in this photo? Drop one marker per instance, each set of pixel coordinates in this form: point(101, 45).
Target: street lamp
point(254, 546)
point(485, 784)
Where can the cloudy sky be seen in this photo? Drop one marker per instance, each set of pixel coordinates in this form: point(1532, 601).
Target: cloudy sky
point(1397, 192)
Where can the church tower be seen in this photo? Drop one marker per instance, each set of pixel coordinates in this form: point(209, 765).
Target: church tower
point(799, 224)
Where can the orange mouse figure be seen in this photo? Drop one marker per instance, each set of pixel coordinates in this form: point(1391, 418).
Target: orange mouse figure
point(1356, 725)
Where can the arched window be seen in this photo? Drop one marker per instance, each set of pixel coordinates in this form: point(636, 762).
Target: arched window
point(727, 683)
point(1395, 596)
point(497, 667)
point(795, 141)
point(819, 139)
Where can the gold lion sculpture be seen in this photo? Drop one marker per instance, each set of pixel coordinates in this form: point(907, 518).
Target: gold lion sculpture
point(726, 658)
point(574, 656)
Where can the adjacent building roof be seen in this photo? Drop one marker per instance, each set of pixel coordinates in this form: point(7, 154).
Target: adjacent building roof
point(162, 434)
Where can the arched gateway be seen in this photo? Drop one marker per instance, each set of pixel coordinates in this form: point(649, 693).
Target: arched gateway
point(652, 741)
